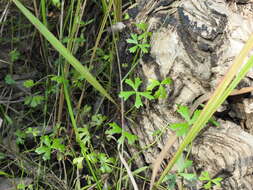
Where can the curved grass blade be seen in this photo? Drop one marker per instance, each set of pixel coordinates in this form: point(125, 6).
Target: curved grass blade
point(62, 50)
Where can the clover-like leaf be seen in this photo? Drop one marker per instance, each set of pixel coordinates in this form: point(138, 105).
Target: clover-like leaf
point(115, 129)
point(217, 181)
point(126, 94)
point(180, 128)
point(33, 101)
point(130, 137)
point(152, 84)
point(138, 101)
point(188, 176)
point(46, 140)
point(46, 151)
point(142, 26)
point(184, 112)
point(166, 81)
point(133, 39)
point(28, 83)
point(204, 176)
point(57, 144)
point(184, 165)
point(135, 85)
point(146, 95)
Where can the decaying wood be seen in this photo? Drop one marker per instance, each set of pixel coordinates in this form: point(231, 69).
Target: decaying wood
point(194, 42)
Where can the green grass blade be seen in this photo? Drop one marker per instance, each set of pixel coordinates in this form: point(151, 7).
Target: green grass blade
point(62, 50)
point(78, 138)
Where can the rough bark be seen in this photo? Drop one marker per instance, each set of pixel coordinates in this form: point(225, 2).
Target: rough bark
point(194, 42)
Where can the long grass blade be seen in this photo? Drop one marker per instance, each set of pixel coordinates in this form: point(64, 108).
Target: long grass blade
point(62, 50)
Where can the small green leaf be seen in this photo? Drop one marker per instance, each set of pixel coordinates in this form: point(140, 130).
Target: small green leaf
point(130, 137)
point(21, 186)
point(21, 135)
point(47, 155)
point(126, 94)
point(130, 83)
point(126, 16)
point(188, 176)
point(184, 112)
point(46, 140)
point(133, 49)
point(115, 129)
point(137, 83)
point(33, 101)
point(138, 101)
point(58, 79)
point(4, 174)
point(131, 41)
point(163, 92)
point(9, 80)
point(180, 128)
point(32, 131)
point(204, 176)
point(58, 145)
point(144, 47)
point(97, 120)
point(104, 161)
point(215, 123)
point(195, 116)
point(185, 164)
point(217, 181)
point(170, 179)
point(56, 3)
point(142, 26)
point(153, 84)
point(78, 162)
point(45, 150)
point(42, 149)
point(28, 83)
point(146, 95)
point(134, 37)
point(121, 140)
point(93, 157)
point(14, 55)
point(82, 132)
point(208, 185)
point(166, 81)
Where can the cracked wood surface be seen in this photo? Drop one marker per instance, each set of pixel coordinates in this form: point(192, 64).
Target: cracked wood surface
point(194, 42)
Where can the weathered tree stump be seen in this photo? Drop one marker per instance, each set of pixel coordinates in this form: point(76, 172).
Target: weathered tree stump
point(194, 42)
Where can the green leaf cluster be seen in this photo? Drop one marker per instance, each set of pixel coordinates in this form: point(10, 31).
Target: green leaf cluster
point(115, 129)
point(34, 100)
point(161, 91)
point(104, 161)
point(182, 165)
point(140, 41)
point(183, 128)
point(14, 55)
point(135, 39)
point(9, 80)
point(49, 144)
point(135, 85)
point(154, 85)
point(210, 182)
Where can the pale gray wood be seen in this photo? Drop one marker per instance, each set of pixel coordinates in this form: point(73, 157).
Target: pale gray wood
point(194, 42)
